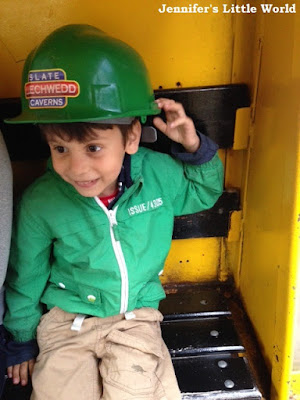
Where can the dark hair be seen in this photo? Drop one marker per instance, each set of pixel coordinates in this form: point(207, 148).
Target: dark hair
point(80, 131)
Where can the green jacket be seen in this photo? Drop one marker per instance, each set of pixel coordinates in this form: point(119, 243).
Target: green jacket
point(72, 252)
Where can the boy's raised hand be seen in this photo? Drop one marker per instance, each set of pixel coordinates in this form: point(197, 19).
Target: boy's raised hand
point(19, 372)
point(178, 127)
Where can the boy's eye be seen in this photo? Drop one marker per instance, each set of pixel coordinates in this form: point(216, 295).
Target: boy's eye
point(60, 149)
point(94, 148)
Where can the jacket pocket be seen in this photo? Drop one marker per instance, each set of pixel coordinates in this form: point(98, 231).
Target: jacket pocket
point(87, 294)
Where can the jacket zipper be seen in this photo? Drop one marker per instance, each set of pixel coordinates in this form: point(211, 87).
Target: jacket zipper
point(111, 215)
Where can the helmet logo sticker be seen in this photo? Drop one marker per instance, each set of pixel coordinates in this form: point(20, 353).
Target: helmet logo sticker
point(49, 88)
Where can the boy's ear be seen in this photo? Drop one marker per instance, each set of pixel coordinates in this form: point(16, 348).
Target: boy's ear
point(133, 138)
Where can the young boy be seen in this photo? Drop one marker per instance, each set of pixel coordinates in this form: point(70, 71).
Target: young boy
point(92, 234)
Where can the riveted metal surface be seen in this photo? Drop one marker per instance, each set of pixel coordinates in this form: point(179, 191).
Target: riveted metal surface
point(194, 303)
point(215, 377)
point(200, 336)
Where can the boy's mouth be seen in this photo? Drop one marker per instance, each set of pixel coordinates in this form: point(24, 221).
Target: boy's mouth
point(86, 184)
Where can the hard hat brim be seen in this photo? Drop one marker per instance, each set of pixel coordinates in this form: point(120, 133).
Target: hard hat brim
point(26, 117)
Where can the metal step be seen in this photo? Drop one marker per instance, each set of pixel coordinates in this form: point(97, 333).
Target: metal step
point(208, 356)
point(199, 336)
point(217, 377)
point(204, 302)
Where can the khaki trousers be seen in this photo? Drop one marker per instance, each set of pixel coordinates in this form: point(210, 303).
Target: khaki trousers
point(108, 358)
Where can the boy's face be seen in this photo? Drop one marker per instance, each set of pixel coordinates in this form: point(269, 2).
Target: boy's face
point(93, 167)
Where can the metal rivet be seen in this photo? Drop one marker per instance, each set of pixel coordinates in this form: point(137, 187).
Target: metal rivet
point(204, 302)
point(229, 384)
point(222, 364)
point(214, 333)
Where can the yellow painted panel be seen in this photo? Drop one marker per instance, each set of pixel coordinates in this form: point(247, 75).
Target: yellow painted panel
point(296, 335)
point(232, 259)
point(269, 251)
point(235, 226)
point(236, 164)
point(193, 49)
point(295, 386)
point(192, 260)
point(244, 32)
point(241, 129)
point(235, 168)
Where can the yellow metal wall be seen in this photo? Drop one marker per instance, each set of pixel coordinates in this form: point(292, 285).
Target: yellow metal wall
point(271, 213)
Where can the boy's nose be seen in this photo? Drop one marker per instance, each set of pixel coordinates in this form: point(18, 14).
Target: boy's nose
point(78, 165)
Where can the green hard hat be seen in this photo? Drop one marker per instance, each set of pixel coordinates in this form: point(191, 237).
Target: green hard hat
point(80, 74)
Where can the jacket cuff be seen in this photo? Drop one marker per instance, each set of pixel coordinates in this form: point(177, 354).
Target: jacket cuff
point(18, 352)
point(205, 153)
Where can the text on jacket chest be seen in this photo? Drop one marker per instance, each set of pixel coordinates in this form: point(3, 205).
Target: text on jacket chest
point(149, 205)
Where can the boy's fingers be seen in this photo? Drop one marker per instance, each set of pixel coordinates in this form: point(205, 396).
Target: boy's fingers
point(160, 124)
point(164, 100)
point(31, 366)
point(178, 122)
point(16, 374)
point(171, 106)
point(10, 371)
point(24, 373)
point(19, 372)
